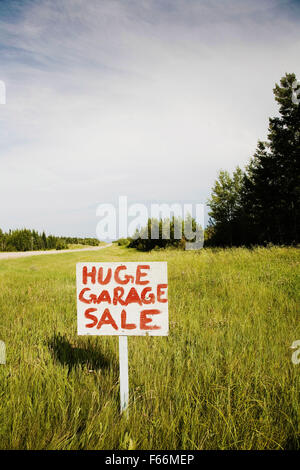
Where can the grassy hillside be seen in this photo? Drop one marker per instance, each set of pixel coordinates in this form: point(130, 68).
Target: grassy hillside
point(223, 379)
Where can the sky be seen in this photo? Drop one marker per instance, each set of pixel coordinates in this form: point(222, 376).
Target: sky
point(137, 98)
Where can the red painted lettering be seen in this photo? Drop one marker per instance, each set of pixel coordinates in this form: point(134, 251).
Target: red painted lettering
point(151, 297)
point(117, 277)
point(124, 325)
point(144, 320)
point(81, 298)
point(160, 292)
point(118, 294)
point(91, 317)
point(140, 274)
point(107, 319)
point(86, 274)
point(100, 276)
point(133, 297)
point(104, 297)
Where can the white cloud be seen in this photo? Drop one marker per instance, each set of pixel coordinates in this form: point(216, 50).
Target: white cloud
point(147, 99)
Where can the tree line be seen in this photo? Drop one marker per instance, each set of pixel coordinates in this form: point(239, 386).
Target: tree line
point(255, 206)
point(31, 240)
point(164, 233)
point(260, 205)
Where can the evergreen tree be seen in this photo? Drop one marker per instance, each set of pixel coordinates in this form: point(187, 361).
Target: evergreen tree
point(272, 183)
point(262, 205)
point(28, 240)
point(44, 241)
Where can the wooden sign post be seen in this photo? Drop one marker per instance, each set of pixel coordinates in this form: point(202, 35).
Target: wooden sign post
point(122, 299)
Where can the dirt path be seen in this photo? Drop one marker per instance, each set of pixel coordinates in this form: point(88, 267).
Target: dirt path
point(21, 254)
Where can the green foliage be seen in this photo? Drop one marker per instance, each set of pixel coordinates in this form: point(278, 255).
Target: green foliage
point(31, 240)
point(123, 241)
point(261, 206)
point(164, 233)
point(225, 208)
point(222, 379)
point(272, 181)
point(82, 241)
point(61, 245)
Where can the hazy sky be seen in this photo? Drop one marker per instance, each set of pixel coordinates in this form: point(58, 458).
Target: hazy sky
point(147, 99)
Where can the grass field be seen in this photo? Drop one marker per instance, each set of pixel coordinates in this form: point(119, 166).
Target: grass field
point(222, 379)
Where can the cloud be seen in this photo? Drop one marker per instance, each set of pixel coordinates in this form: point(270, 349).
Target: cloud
point(143, 98)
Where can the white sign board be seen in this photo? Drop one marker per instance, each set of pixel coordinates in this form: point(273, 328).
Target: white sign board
point(122, 299)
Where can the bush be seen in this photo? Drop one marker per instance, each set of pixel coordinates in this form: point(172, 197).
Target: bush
point(61, 245)
point(123, 241)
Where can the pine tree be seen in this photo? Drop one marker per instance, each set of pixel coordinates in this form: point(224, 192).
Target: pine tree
point(44, 241)
point(272, 183)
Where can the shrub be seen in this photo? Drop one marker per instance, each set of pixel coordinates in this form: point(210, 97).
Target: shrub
point(123, 241)
point(61, 245)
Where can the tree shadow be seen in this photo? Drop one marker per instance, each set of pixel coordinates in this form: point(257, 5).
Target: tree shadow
point(70, 355)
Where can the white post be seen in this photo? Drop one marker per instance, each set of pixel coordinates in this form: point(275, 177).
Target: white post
point(2, 353)
point(123, 360)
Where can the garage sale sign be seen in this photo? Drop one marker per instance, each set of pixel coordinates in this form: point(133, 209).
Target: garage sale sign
point(122, 299)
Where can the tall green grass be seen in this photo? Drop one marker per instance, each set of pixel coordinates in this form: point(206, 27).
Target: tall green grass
point(222, 379)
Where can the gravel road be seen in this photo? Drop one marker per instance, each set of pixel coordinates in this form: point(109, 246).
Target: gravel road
point(22, 254)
